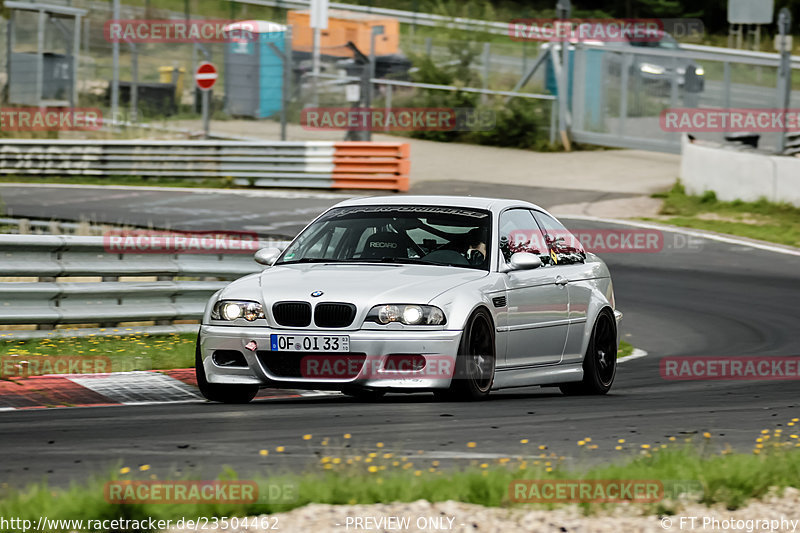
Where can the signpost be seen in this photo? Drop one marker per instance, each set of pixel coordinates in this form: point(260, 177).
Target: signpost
point(205, 77)
point(318, 22)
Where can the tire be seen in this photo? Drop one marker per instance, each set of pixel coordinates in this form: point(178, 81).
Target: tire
point(598, 368)
point(475, 363)
point(220, 393)
point(364, 395)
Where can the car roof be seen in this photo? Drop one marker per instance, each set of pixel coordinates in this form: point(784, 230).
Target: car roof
point(475, 202)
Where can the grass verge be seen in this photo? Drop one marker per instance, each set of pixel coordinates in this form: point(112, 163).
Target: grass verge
point(133, 352)
point(731, 479)
point(763, 220)
point(125, 352)
point(625, 349)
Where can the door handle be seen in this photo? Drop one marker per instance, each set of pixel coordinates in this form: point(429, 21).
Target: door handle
point(561, 281)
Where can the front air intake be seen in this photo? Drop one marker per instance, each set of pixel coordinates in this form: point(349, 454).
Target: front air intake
point(334, 315)
point(292, 314)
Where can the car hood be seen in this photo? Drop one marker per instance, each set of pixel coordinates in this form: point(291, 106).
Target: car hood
point(362, 285)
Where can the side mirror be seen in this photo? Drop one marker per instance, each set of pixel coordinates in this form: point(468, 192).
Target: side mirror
point(267, 256)
point(523, 261)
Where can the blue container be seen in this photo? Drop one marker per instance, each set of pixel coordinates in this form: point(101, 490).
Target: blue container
point(253, 71)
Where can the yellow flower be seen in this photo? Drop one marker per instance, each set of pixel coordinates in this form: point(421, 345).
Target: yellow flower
point(263, 452)
point(587, 439)
point(280, 449)
point(707, 435)
point(548, 469)
point(523, 441)
point(484, 465)
point(764, 431)
point(347, 435)
point(372, 469)
point(581, 443)
point(617, 447)
point(622, 441)
point(144, 468)
point(471, 445)
point(542, 447)
point(645, 446)
point(379, 445)
point(307, 437)
point(124, 470)
point(435, 463)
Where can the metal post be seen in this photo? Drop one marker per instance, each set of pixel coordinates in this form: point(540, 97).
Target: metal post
point(563, 11)
point(115, 67)
point(315, 67)
point(205, 114)
point(627, 60)
point(388, 106)
point(10, 42)
point(287, 78)
point(134, 84)
point(784, 71)
point(428, 46)
point(487, 54)
point(726, 91)
point(42, 21)
point(76, 47)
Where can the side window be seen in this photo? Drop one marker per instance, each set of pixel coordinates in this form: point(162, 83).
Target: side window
point(564, 248)
point(519, 233)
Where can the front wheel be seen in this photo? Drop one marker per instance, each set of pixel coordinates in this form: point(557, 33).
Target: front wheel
point(475, 363)
point(600, 362)
point(220, 393)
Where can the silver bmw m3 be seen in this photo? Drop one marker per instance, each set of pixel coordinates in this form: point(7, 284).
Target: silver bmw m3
point(457, 296)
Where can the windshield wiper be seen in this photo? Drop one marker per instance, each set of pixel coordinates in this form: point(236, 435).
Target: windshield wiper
point(310, 260)
point(398, 260)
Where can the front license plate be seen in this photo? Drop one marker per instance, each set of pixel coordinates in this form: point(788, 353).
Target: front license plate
point(309, 343)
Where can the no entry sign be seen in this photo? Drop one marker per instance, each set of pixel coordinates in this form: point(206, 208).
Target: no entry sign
point(205, 76)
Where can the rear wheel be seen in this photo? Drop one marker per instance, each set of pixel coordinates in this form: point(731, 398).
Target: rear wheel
point(220, 393)
point(475, 362)
point(600, 362)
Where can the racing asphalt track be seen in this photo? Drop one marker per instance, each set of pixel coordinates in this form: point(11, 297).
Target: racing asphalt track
point(721, 299)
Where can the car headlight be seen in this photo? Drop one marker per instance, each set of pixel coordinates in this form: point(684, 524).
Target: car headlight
point(649, 68)
point(233, 309)
point(699, 71)
point(408, 314)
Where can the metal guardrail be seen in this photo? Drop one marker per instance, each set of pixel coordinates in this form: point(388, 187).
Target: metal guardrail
point(50, 302)
point(318, 164)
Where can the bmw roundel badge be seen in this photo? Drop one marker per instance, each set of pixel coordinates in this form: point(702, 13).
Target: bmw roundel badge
point(317, 293)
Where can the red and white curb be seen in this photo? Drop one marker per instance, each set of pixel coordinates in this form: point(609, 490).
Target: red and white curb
point(118, 388)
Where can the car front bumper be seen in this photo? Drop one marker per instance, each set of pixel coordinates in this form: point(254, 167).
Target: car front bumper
point(439, 348)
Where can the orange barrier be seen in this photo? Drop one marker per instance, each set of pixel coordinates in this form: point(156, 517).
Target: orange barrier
point(371, 165)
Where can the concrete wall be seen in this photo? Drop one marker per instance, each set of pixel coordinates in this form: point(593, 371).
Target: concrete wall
point(739, 174)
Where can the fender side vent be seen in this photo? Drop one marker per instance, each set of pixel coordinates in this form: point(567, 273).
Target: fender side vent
point(499, 301)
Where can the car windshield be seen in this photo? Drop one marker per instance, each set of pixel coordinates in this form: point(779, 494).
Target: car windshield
point(435, 235)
